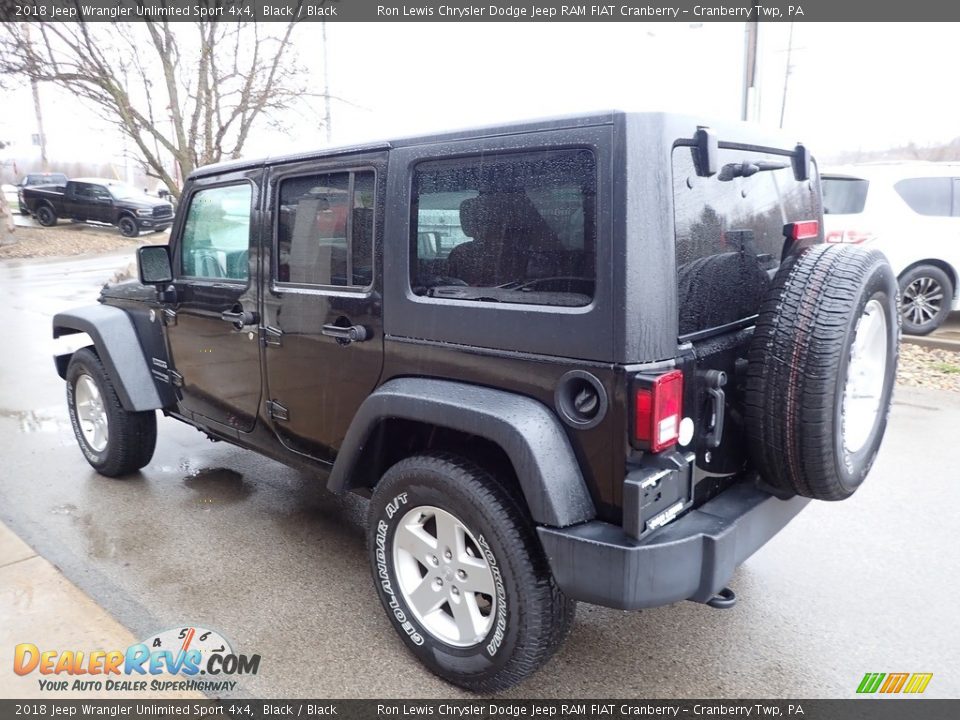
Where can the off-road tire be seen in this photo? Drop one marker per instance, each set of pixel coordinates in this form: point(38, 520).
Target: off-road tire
point(797, 372)
point(46, 215)
point(532, 616)
point(933, 274)
point(128, 227)
point(132, 436)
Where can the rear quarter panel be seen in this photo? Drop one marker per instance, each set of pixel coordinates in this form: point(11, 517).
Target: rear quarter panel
point(32, 196)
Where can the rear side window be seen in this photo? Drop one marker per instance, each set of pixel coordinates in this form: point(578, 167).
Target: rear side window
point(729, 232)
point(929, 195)
point(506, 228)
point(216, 234)
point(325, 229)
point(844, 196)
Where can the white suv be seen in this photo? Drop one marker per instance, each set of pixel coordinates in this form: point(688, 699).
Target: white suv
point(911, 212)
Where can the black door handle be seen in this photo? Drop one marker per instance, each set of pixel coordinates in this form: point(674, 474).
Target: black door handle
point(346, 335)
point(239, 317)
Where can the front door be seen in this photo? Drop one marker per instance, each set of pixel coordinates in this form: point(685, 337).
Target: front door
point(101, 205)
point(212, 328)
point(322, 310)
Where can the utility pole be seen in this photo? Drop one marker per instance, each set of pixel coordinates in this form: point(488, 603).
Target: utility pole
point(326, 84)
point(786, 75)
point(36, 109)
point(126, 151)
point(749, 69)
point(43, 138)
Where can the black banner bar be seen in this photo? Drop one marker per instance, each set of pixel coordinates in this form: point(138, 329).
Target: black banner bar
point(476, 11)
point(853, 709)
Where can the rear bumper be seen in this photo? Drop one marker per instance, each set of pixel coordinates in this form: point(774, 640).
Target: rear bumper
point(692, 558)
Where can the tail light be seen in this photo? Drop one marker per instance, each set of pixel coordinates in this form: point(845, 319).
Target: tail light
point(854, 237)
point(658, 408)
point(803, 230)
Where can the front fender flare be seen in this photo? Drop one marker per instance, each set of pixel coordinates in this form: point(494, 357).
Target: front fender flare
point(527, 431)
point(115, 340)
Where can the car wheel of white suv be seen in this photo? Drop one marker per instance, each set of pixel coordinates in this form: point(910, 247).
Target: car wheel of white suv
point(926, 295)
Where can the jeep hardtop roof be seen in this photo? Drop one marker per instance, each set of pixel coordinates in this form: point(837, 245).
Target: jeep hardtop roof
point(667, 126)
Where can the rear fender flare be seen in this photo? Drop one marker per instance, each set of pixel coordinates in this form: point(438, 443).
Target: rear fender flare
point(528, 432)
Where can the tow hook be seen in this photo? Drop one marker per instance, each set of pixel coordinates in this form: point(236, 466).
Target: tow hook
point(723, 600)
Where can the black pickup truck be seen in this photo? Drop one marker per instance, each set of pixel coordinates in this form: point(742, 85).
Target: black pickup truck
point(99, 200)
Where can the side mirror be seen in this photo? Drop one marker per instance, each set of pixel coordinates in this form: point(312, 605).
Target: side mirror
point(801, 162)
point(706, 151)
point(153, 265)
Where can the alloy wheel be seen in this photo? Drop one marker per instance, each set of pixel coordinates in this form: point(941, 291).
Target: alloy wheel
point(922, 301)
point(91, 414)
point(444, 576)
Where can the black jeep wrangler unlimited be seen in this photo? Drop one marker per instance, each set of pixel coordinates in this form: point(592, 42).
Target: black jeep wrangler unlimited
point(600, 358)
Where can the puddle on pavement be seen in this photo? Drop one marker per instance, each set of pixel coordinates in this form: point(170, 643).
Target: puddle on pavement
point(31, 421)
point(100, 543)
point(217, 486)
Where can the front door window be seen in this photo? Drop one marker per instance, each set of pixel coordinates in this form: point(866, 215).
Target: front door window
point(216, 234)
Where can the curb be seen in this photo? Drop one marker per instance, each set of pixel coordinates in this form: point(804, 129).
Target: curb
point(946, 337)
point(932, 342)
point(39, 605)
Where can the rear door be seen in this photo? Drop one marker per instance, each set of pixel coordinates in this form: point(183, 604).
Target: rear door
point(212, 327)
point(932, 230)
point(729, 243)
point(75, 199)
point(322, 308)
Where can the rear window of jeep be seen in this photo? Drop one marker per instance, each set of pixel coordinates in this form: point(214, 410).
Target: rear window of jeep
point(729, 232)
point(506, 228)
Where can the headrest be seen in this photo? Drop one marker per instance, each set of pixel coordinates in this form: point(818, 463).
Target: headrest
point(470, 220)
point(490, 214)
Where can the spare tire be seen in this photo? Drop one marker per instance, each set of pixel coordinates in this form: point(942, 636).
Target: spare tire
point(822, 364)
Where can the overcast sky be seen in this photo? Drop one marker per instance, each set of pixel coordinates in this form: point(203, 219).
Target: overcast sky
point(852, 86)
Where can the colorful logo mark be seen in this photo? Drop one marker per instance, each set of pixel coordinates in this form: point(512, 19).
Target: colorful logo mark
point(888, 683)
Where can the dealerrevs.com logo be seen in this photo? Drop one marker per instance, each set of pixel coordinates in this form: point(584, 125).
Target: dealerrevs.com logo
point(181, 659)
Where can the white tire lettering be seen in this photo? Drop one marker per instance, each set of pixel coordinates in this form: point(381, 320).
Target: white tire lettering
point(383, 572)
point(501, 625)
point(74, 421)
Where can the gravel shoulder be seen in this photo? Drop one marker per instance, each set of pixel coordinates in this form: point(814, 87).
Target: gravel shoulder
point(69, 238)
point(928, 368)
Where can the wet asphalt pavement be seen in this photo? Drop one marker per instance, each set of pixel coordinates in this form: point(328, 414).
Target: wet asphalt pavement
point(219, 537)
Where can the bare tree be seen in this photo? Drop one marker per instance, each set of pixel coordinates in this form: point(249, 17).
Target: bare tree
point(186, 94)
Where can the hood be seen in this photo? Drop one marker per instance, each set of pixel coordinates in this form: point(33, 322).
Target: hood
point(128, 290)
point(144, 202)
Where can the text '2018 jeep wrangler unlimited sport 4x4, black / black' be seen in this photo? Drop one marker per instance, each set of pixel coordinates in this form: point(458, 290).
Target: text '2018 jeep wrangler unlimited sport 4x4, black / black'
point(600, 358)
